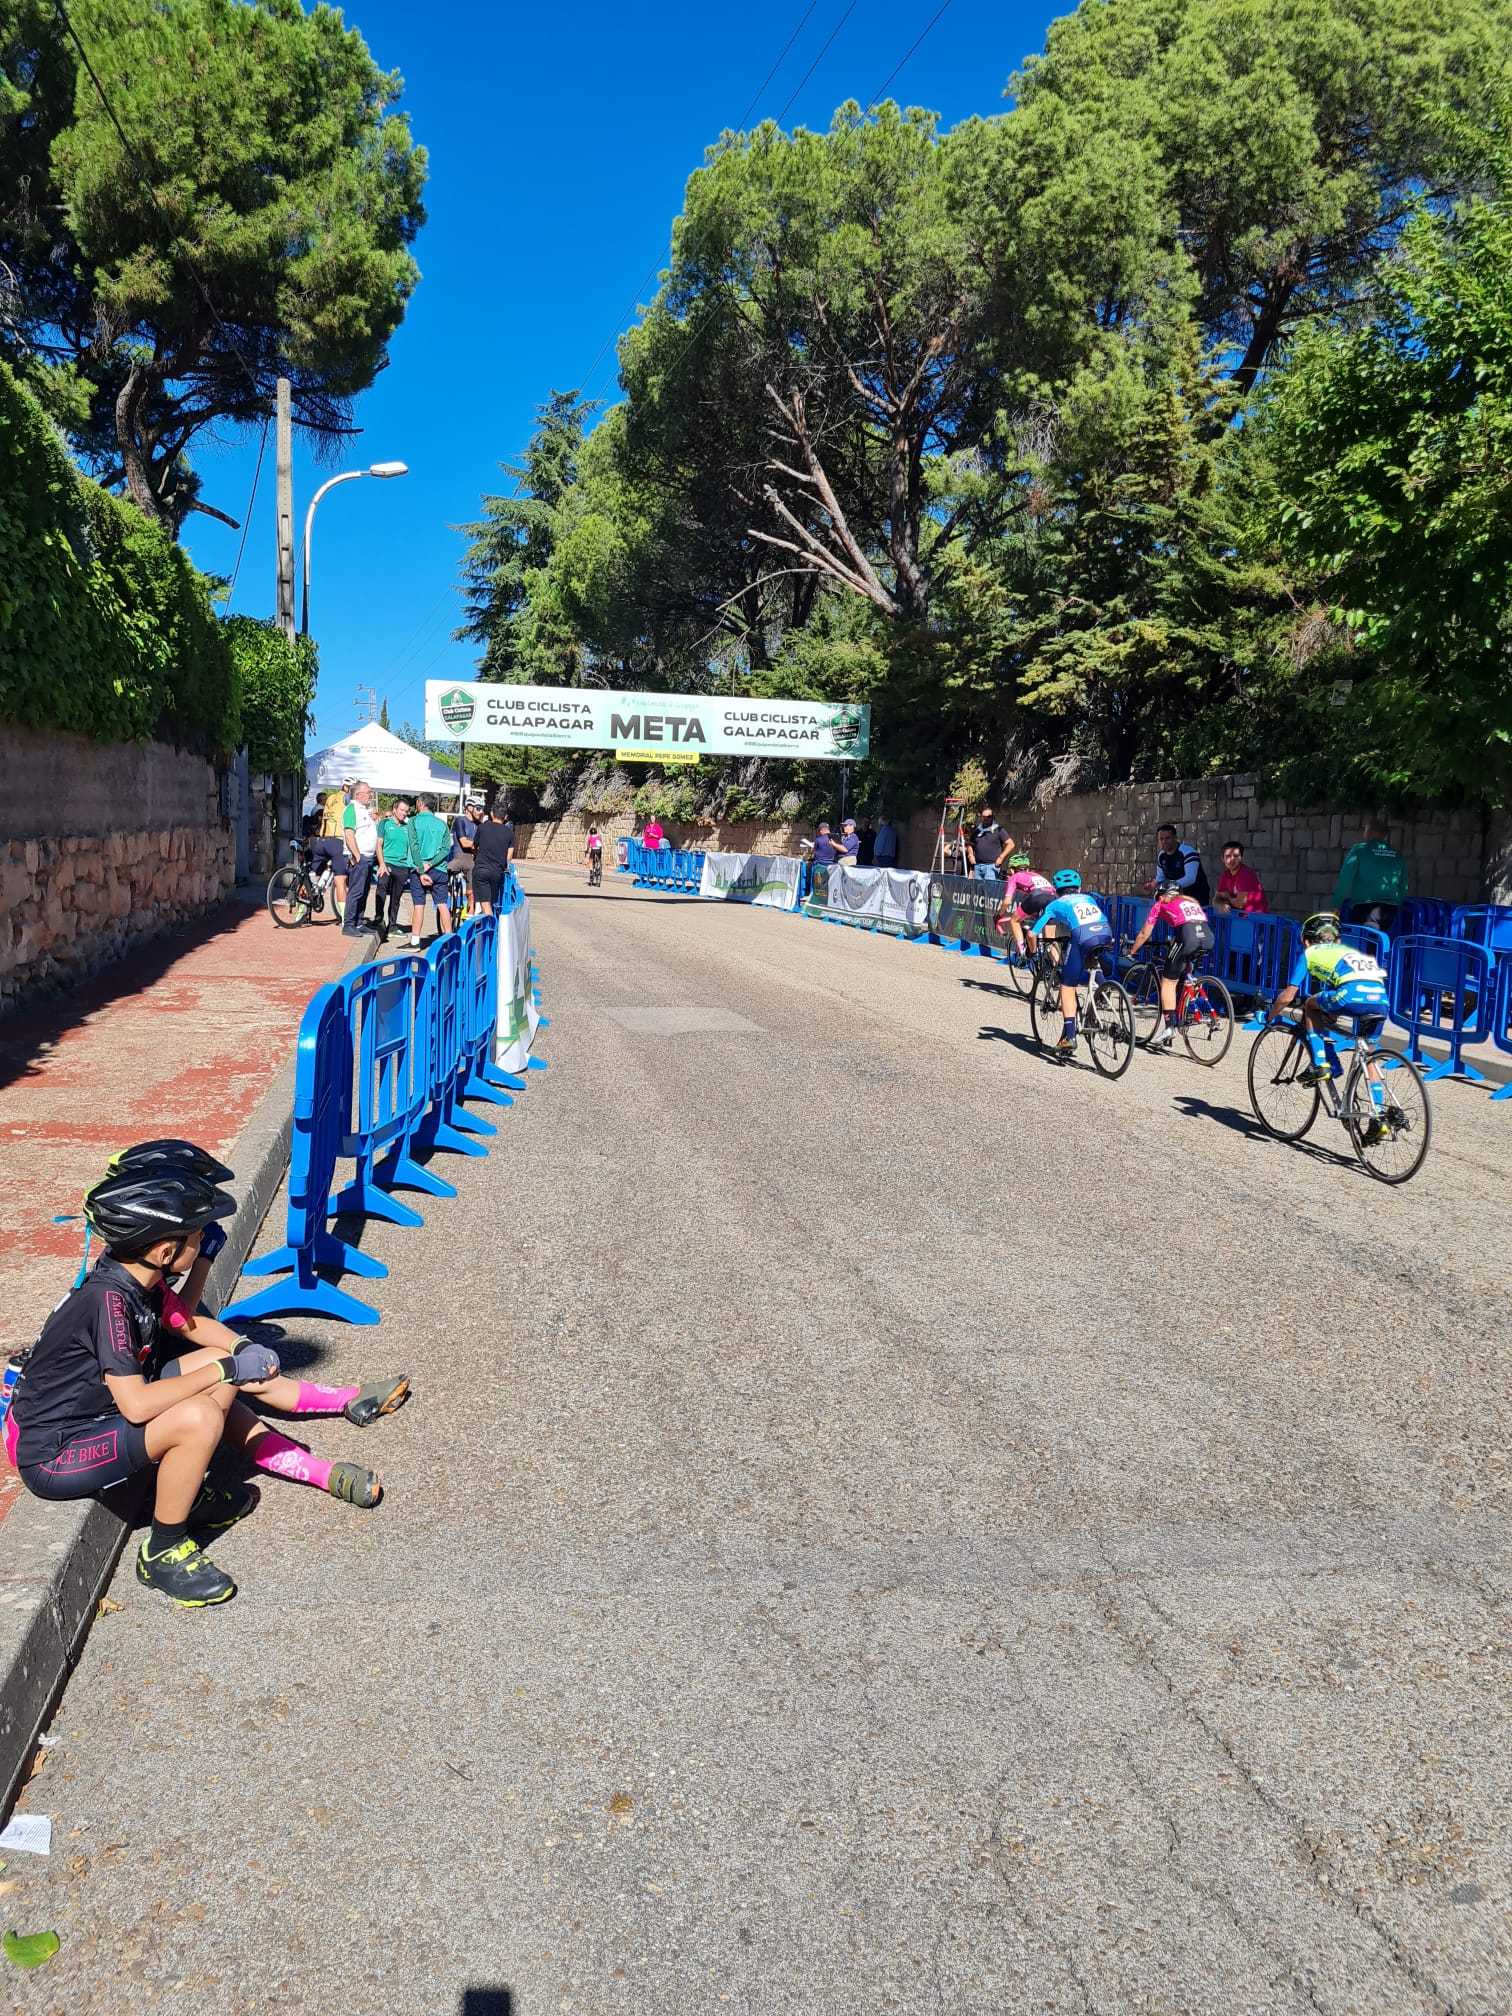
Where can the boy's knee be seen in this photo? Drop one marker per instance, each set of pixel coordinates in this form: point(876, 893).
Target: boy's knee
point(201, 1417)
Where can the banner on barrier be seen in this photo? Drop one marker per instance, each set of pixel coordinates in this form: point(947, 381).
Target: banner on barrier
point(518, 1014)
point(891, 896)
point(768, 880)
point(961, 907)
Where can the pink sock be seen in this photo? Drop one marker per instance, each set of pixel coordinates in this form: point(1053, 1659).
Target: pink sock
point(276, 1453)
point(323, 1399)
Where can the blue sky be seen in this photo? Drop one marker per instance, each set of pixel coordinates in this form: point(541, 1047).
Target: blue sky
point(559, 149)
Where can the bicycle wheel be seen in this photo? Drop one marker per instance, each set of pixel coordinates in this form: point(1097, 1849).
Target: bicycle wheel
point(1045, 1018)
point(1392, 1140)
point(1283, 1105)
point(1109, 1028)
point(1142, 985)
point(1207, 1022)
point(1020, 971)
point(290, 897)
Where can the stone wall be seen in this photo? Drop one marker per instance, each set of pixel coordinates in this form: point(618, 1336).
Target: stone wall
point(101, 847)
point(1463, 857)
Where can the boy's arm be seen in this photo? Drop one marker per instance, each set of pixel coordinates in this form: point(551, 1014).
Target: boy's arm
point(142, 1400)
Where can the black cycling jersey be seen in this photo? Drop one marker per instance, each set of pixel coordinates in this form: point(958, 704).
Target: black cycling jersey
point(110, 1323)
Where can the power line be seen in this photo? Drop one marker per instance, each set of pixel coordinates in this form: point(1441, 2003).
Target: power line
point(761, 88)
point(909, 52)
point(247, 520)
point(817, 61)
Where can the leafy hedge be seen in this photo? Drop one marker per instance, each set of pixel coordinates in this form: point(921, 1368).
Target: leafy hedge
point(105, 627)
point(277, 681)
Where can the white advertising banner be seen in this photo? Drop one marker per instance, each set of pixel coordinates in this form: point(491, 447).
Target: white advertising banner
point(644, 725)
point(891, 896)
point(768, 880)
point(515, 1030)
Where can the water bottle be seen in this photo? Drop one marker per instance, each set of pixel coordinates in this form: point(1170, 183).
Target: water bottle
point(13, 1369)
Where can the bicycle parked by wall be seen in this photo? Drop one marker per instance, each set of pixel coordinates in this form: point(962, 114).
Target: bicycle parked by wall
point(1204, 1011)
point(299, 890)
point(1389, 1134)
point(459, 896)
point(1104, 1014)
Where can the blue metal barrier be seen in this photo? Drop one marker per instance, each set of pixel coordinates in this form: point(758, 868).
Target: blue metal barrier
point(322, 1101)
point(481, 1077)
point(1488, 924)
point(1366, 938)
point(1501, 1019)
point(1421, 916)
point(386, 1013)
point(445, 1123)
point(1441, 987)
point(1255, 954)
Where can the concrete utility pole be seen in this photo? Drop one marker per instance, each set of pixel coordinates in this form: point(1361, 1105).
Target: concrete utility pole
point(285, 459)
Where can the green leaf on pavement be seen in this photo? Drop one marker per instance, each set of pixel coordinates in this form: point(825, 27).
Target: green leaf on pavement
point(30, 1949)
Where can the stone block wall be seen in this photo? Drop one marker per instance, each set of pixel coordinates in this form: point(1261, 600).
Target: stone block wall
point(102, 846)
point(1296, 850)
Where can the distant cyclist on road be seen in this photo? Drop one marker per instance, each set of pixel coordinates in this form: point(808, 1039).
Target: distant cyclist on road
point(1025, 895)
point(1192, 936)
point(1078, 919)
point(593, 853)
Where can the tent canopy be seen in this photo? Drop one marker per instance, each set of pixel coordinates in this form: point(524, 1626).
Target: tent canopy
point(388, 764)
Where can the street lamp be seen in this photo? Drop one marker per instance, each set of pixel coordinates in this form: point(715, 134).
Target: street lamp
point(382, 469)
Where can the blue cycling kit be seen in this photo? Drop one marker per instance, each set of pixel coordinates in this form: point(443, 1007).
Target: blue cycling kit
point(1087, 927)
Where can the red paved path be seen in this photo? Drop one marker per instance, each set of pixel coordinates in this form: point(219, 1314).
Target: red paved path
point(182, 1037)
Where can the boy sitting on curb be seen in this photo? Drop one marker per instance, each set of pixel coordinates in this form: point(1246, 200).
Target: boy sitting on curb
point(96, 1401)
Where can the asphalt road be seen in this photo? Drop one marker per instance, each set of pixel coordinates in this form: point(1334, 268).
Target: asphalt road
point(885, 1523)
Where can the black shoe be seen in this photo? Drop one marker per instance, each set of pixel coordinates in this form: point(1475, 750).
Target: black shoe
point(184, 1575)
point(386, 1396)
point(219, 1506)
point(353, 931)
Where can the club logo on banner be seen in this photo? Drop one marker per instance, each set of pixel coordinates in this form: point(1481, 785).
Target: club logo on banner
point(961, 907)
point(893, 897)
point(768, 880)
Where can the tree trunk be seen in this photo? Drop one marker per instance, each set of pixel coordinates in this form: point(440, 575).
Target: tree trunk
point(128, 416)
point(1267, 329)
point(909, 585)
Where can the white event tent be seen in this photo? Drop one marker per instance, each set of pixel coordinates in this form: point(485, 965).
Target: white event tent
point(388, 764)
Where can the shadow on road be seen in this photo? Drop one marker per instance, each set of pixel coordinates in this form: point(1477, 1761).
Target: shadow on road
point(488, 2002)
point(992, 987)
point(988, 1034)
point(1238, 1121)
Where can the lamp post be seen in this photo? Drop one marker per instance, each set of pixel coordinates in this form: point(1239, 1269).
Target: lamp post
point(381, 469)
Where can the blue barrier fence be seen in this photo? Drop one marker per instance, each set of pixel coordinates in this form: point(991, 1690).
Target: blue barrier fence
point(1441, 987)
point(386, 1058)
point(1501, 1019)
point(665, 867)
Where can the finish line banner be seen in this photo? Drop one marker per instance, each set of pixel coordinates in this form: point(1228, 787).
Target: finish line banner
point(644, 724)
point(768, 880)
point(961, 907)
point(893, 897)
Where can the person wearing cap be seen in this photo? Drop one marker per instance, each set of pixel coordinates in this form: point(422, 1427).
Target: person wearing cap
point(823, 847)
point(850, 843)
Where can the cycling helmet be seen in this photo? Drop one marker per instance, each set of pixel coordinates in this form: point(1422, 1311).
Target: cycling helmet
point(1067, 879)
point(149, 1155)
point(1322, 928)
point(1165, 889)
point(1018, 860)
point(137, 1209)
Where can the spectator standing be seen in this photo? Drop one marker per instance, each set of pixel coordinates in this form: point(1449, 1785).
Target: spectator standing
point(988, 848)
point(330, 845)
point(885, 847)
point(1178, 862)
point(1239, 886)
point(493, 844)
point(1372, 884)
point(867, 858)
point(359, 832)
point(823, 847)
point(429, 852)
point(393, 864)
point(652, 835)
point(850, 843)
point(464, 830)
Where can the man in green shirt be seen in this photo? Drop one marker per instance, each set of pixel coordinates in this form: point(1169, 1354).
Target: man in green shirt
point(1372, 884)
point(393, 865)
point(429, 852)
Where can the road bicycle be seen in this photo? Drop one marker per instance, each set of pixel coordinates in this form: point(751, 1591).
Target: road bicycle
point(595, 870)
point(1104, 1014)
point(1022, 966)
point(459, 896)
point(1390, 1137)
point(298, 891)
point(1204, 1011)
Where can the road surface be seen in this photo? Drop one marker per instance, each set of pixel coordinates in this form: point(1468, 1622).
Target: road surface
point(885, 1523)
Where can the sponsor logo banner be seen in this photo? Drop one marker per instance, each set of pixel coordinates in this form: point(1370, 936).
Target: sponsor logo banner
point(962, 907)
point(768, 880)
point(646, 727)
point(892, 896)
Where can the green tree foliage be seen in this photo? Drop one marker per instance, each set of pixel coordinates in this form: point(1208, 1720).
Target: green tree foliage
point(247, 211)
point(276, 676)
point(105, 627)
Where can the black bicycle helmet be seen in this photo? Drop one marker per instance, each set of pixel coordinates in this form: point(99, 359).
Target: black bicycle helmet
point(137, 1209)
point(170, 1154)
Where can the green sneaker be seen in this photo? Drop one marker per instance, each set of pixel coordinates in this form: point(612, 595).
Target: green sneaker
point(354, 1485)
point(386, 1396)
point(219, 1506)
point(184, 1575)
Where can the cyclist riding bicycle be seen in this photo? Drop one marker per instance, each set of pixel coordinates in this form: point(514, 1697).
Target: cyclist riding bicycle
point(1351, 987)
point(1025, 895)
point(593, 853)
point(1076, 918)
point(1192, 937)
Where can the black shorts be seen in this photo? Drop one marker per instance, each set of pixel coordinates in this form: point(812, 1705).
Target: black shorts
point(109, 1451)
point(486, 887)
point(1190, 944)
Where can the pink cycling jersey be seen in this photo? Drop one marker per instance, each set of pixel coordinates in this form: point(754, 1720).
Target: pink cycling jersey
point(1175, 911)
point(1021, 880)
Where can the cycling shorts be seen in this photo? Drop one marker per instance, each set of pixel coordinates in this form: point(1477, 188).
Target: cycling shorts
point(1032, 905)
point(107, 1452)
point(1360, 1001)
point(1185, 949)
point(331, 851)
point(1083, 956)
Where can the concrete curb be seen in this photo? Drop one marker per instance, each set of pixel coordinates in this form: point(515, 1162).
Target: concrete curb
point(55, 1560)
